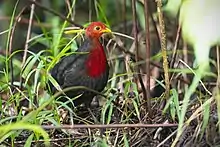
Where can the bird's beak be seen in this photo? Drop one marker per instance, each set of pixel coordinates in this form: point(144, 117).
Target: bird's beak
point(106, 30)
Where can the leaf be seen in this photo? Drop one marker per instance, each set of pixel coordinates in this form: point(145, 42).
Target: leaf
point(136, 108)
point(126, 143)
point(54, 82)
point(6, 129)
point(206, 115)
point(29, 140)
point(176, 102)
point(108, 105)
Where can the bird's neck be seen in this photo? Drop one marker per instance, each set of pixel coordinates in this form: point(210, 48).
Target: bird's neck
point(96, 63)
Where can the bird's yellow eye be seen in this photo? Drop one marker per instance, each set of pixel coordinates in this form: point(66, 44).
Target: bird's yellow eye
point(97, 28)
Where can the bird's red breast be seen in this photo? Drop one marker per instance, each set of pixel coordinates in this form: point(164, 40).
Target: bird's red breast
point(96, 62)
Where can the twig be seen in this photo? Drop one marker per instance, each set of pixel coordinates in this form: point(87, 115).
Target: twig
point(124, 11)
point(203, 85)
point(163, 48)
point(90, 10)
point(162, 143)
point(26, 21)
point(86, 126)
point(175, 47)
point(148, 53)
point(26, 42)
point(136, 47)
point(218, 67)
point(10, 47)
point(175, 51)
point(123, 35)
point(42, 140)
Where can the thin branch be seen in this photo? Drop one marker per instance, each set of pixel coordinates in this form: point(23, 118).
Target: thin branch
point(218, 66)
point(86, 126)
point(148, 53)
point(124, 12)
point(26, 21)
point(175, 47)
point(203, 85)
point(27, 40)
point(137, 53)
point(175, 51)
point(18, 18)
point(163, 48)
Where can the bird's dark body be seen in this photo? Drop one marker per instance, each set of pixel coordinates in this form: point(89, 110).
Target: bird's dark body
point(71, 71)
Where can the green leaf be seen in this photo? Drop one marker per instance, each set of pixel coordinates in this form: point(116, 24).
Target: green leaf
point(29, 140)
point(108, 106)
point(206, 114)
point(172, 110)
point(126, 143)
point(176, 102)
point(6, 129)
point(137, 108)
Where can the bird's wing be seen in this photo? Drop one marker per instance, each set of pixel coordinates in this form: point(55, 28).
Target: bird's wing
point(68, 69)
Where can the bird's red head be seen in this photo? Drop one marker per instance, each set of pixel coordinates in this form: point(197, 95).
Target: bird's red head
point(96, 29)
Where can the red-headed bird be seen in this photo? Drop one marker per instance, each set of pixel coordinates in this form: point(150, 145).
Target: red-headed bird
point(90, 69)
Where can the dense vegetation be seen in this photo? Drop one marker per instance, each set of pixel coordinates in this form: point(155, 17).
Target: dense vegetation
point(151, 68)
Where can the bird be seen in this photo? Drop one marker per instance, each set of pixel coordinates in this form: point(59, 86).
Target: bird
point(89, 69)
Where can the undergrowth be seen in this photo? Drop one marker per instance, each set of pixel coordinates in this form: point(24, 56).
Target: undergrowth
point(29, 114)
